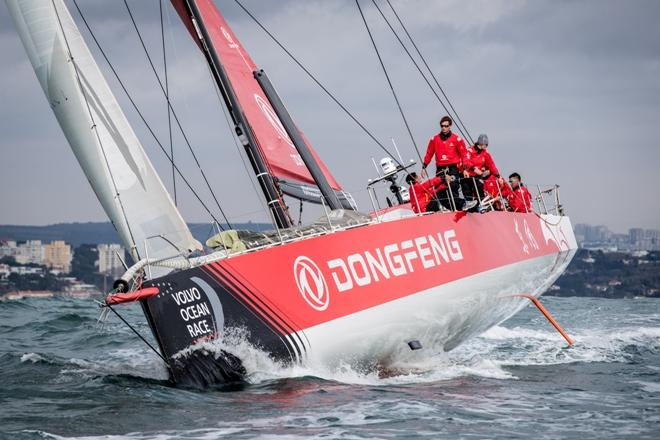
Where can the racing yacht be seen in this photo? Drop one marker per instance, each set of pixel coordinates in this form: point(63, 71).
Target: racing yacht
point(352, 287)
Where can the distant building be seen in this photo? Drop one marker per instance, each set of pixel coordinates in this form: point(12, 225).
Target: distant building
point(653, 239)
point(600, 237)
point(8, 248)
point(4, 271)
point(57, 256)
point(644, 239)
point(636, 234)
point(27, 294)
point(30, 252)
point(110, 259)
point(590, 235)
point(25, 270)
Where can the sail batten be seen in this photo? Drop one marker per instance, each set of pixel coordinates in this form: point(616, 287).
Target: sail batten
point(114, 162)
point(276, 147)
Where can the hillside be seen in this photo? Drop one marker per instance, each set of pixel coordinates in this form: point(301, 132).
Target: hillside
point(94, 233)
point(610, 275)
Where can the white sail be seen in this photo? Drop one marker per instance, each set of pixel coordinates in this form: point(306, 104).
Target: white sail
point(100, 136)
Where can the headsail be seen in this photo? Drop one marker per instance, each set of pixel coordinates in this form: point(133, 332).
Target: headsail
point(277, 149)
point(100, 136)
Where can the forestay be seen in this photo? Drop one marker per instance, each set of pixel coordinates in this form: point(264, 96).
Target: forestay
point(100, 136)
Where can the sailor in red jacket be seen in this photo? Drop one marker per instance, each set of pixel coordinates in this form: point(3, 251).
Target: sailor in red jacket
point(479, 170)
point(450, 156)
point(424, 194)
point(517, 195)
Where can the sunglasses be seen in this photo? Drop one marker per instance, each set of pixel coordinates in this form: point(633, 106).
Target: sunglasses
point(444, 125)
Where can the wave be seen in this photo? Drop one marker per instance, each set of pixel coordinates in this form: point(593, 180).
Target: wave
point(520, 346)
point(116, 352)
point(32, 357)
point(332, 422)
point(126, 363)
point(488, 356)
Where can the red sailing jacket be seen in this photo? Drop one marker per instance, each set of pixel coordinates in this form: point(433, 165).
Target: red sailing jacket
point(449, 152)
point(423, 193)
point(481, 159)
point(520, 200)
point(491, 186)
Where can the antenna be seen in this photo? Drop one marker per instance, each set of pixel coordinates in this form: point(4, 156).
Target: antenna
point(376, 166)
point(397, 151)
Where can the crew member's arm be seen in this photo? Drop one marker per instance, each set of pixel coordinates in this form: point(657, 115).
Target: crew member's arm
point(490, 165)
point(506, 190)
point(430, 151)
point(469, 166)
point(528, 198)
point(463, 153)
point(431, 183)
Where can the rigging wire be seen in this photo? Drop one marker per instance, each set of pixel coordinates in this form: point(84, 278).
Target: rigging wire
point(167, 96)
point(135, 331)
point(318, 83)
point(98, 137)
point(389, 81)
point(462, 131)
point(405, 29)
point(192, 152)
point(137, 110)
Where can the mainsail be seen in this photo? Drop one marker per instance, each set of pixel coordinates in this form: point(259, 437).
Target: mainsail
point(283, 161)
point(100, 136)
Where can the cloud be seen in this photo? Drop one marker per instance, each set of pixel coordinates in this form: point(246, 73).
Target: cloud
point(568, 91)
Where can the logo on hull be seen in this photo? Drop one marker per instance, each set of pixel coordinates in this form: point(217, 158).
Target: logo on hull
point(375, 265)
point(311, 283)
point(200, 310)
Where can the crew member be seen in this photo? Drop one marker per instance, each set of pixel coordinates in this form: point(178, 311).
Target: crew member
point(517, 195)
point(450, 156)
point(424, 194)
point(480, 171)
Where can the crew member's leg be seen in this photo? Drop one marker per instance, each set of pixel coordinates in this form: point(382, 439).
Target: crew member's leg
point(443, 195)
point(473, 191)
point(454, 186)
point(433, 205)
point(469, 187)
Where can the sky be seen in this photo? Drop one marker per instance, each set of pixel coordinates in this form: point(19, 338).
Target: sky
point(568, 92)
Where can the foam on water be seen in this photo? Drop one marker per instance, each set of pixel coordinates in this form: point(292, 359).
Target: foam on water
point(485, 356)
point(524, 346)
point(32, 357)
point(426, 367)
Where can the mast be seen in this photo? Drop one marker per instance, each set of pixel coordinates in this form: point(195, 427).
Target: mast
point(306, 155)
point(241, 124)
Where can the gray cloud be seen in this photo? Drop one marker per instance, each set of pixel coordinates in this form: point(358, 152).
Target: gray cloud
point(569, 92)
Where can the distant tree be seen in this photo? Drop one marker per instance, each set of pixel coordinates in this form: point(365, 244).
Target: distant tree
point(84, 266)
point(11, 261)
point(45, 281)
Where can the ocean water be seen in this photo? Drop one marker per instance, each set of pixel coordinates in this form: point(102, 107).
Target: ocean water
point(63, 376)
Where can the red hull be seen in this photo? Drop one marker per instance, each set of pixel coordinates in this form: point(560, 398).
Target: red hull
point(298, 300)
